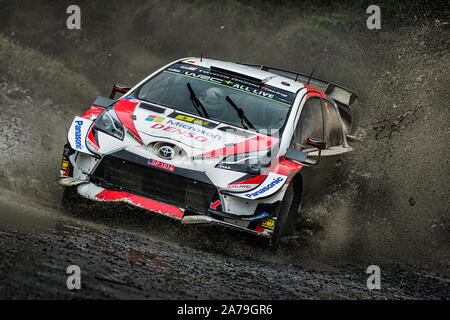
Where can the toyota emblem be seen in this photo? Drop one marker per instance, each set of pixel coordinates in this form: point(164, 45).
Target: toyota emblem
point(166, 152)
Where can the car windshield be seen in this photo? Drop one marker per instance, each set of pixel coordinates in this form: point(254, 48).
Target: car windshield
point(225, 98)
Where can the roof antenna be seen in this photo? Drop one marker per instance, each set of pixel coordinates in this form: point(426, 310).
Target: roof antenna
point(311, 74)
point(201, 57)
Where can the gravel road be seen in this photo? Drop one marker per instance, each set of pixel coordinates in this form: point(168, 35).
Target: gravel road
point(128, 264)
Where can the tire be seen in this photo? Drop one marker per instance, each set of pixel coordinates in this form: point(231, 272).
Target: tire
point(284, 223)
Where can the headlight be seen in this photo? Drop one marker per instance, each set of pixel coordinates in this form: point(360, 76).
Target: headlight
point(251, 162)
point(108, 123)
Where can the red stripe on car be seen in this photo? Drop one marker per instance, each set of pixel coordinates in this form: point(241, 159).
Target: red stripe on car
point(92, 111)
point(124, 110)
point(255, 180)
point(162, 208)
point(311, 92)
point(91, 136)
point(282, 166)
point(285, 167)
point(261, 142)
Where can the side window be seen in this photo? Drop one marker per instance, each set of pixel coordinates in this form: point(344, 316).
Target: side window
point(310, 124)
point(333, 125)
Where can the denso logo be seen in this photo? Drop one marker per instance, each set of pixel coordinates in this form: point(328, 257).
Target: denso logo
point(78, 125)
point(266, 188)
point(181, 132)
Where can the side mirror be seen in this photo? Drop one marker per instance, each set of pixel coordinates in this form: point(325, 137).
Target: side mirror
point(321, 145)
point(292, 154)
point(303, 156)
point(118, 88)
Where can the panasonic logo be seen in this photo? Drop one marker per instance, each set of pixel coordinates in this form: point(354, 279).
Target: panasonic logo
point(78, 144)
point(266, 188)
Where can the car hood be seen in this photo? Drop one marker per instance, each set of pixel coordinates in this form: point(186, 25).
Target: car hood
point(197, 138)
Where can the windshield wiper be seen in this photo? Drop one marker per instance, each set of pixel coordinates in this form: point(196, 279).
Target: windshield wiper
point(241, 114)
point(196, 102)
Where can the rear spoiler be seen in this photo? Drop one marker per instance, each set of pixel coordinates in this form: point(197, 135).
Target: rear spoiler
point(344, 97)
point(336, 92)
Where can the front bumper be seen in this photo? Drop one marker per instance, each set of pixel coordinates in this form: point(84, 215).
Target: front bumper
point(263, 227)
point(187, 198)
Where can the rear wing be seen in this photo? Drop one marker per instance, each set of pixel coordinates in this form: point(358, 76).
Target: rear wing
point(336, 92)
point(345, 98)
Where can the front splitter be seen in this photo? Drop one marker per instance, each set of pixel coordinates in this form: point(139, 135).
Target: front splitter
point(94, 192)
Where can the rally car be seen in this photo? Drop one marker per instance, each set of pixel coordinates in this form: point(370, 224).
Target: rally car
point(210, 142)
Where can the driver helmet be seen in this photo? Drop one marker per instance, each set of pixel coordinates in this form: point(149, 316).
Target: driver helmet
point(213, 99)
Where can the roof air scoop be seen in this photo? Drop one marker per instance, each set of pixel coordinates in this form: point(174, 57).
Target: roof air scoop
point(236, 75)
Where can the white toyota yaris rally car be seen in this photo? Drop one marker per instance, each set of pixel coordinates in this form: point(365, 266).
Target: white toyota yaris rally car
point(206, 141)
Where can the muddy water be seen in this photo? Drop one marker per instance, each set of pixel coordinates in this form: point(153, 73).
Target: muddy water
point(125, 252)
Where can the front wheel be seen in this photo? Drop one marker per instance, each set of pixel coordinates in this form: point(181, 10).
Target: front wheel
point(288, 209)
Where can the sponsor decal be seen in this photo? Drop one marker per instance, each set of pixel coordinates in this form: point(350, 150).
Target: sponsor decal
point(268, 224)
point(174, 70)
point(259, 216)
point(258, 92)
point(132, 135)
point(153, 118)
point(161, 165)
point(205, 158)
point(65, 165)
point(214, 205)
point(78, 125)
point(266, 188)
point(92, 145)
point(201, 122)
point(183, 67)
point(240, 186)
point(184, 133)
point(204, 74)
point(195, 129)
point(132, 99)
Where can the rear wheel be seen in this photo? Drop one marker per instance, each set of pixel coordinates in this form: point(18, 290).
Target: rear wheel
point(285, 219)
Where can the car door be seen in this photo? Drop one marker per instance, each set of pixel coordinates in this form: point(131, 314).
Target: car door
point(309, 125)
point(334, 130)
point(319, 119)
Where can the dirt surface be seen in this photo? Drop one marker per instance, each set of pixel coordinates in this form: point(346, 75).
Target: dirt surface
point(386, 203)
point(125, 252)
point(125, 263)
